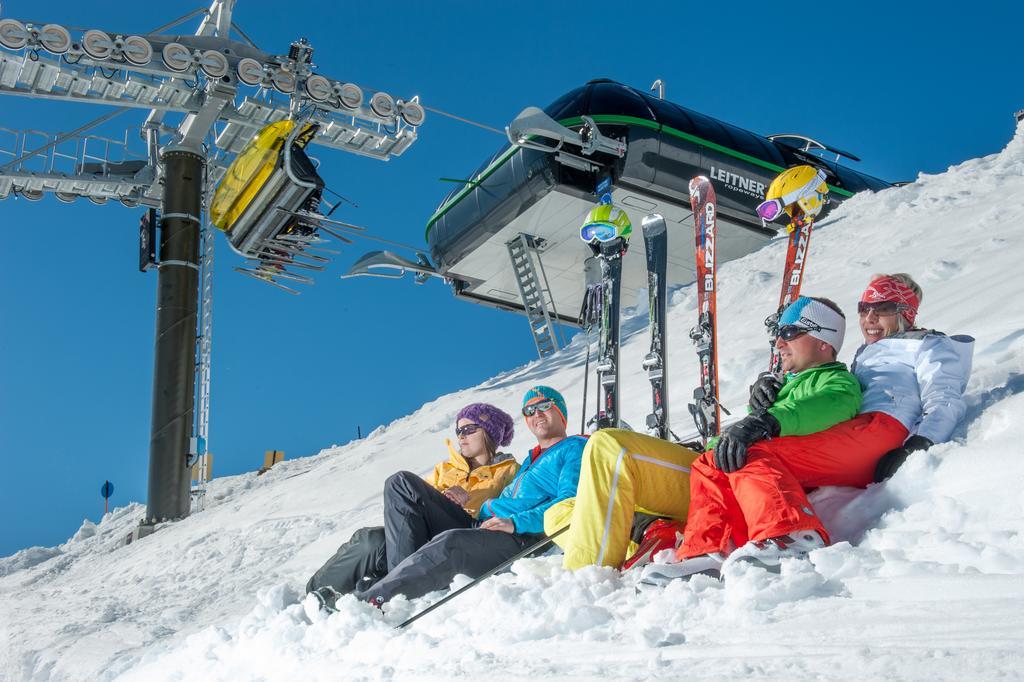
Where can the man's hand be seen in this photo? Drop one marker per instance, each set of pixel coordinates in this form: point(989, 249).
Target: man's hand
point(764, 391)
point(457, 495)
point(731, 451)
point(504, 525)
point(892, 460)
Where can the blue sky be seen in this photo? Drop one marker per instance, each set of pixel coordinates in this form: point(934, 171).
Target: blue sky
point(908, 89)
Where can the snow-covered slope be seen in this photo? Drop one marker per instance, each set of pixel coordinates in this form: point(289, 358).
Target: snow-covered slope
point(926, 579)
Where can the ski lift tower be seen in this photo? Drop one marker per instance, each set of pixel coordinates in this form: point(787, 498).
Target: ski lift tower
point(220, 92)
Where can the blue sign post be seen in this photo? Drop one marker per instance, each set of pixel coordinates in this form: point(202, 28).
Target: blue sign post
point(106, 491)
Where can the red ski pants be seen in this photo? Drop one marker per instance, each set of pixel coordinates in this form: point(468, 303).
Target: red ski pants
point(767, 498)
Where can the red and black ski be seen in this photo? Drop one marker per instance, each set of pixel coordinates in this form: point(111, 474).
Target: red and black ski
point(792, 279)
point(705, 408)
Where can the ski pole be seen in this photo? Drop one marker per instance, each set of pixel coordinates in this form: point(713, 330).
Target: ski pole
point(586, 377)
point(476, 581)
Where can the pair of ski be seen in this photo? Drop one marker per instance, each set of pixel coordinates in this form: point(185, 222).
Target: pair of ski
point(706, 409)
point(602, 302)
point(601, 306)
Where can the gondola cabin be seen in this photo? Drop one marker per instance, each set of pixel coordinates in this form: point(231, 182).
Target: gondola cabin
point(534, 192)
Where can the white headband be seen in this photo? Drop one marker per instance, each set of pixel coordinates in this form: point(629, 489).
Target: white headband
point(818, 319)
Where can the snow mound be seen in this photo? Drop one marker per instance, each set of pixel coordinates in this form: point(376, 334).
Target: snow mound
point(925, 579)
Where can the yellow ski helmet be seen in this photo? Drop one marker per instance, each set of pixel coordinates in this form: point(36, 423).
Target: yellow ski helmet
point(605, 222)
point(800, 190)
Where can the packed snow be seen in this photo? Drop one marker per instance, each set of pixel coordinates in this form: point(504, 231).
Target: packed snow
point(925, 579)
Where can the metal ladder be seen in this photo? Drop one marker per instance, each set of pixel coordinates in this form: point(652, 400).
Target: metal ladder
point(204, 345)
point(535, 293)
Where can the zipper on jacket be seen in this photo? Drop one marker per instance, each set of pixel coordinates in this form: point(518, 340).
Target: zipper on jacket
point(519, 481)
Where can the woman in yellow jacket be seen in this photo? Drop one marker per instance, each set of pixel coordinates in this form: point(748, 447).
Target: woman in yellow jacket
point(473, 474)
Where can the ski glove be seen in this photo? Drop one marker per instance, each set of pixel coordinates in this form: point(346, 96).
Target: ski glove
point(764, 391)
point(892, 460)
point(731, 451)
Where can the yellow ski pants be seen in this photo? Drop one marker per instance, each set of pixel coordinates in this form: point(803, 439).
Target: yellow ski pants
point(622, 472)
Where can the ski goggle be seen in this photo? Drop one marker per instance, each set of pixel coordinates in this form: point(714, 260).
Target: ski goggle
point(602, 232)
point(539, 406)
point(770, 210)
point(467, 430)
point(773, 208)
point(881, 308)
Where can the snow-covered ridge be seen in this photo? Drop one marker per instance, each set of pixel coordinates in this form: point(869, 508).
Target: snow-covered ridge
point(926, 579)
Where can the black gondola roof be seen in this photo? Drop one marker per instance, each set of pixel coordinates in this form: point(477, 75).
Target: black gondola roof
point(610, 102)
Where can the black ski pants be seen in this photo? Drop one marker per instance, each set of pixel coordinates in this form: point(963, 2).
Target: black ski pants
point(414, 513)
point(357, 564)
point(430, 540)
point(470, 551)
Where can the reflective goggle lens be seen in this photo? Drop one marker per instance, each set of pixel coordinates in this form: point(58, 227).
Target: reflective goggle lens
point(602, 232)
point(770, 210)
point(881, 308)
point(540, 406)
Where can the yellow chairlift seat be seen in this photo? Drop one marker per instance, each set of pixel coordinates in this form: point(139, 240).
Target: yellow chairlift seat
point(270, 179)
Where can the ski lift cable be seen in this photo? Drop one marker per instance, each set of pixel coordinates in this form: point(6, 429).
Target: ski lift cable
point(363, 235)
point(466, 120)
point(352, 230)
point(389, 241)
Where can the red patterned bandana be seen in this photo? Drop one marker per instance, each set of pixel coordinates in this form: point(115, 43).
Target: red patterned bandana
point(889, 289)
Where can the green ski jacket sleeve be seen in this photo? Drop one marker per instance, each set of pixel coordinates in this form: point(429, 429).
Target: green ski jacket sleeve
point(815, 399)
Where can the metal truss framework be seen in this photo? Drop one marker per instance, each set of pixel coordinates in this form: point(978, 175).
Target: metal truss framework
point(224, 91)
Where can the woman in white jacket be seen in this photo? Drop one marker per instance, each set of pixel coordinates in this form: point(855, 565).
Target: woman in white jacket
point(918, 376)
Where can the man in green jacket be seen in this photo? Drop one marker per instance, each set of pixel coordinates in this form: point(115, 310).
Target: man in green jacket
point(624, 472)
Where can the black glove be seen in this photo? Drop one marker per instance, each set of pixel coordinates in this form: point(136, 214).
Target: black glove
point(731, 451)
point(892, 460)
point(764, 391)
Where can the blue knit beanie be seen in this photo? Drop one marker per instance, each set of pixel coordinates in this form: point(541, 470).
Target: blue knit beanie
point(539, 393)
point(497, 423)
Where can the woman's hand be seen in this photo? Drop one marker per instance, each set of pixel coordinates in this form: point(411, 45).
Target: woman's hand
point(894, 459)
point(457, 495)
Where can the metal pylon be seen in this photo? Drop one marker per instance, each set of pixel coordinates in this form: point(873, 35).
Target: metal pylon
point(535, 293)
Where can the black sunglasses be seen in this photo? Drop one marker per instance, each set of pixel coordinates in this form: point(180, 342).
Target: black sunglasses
point(788, 332)
point(791, 331)
point(467, 430)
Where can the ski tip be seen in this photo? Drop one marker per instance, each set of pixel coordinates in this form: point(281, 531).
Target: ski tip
point(699, 180)
point(653, 224)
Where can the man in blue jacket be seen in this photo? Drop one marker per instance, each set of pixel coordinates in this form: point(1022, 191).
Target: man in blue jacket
point(430, 540)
